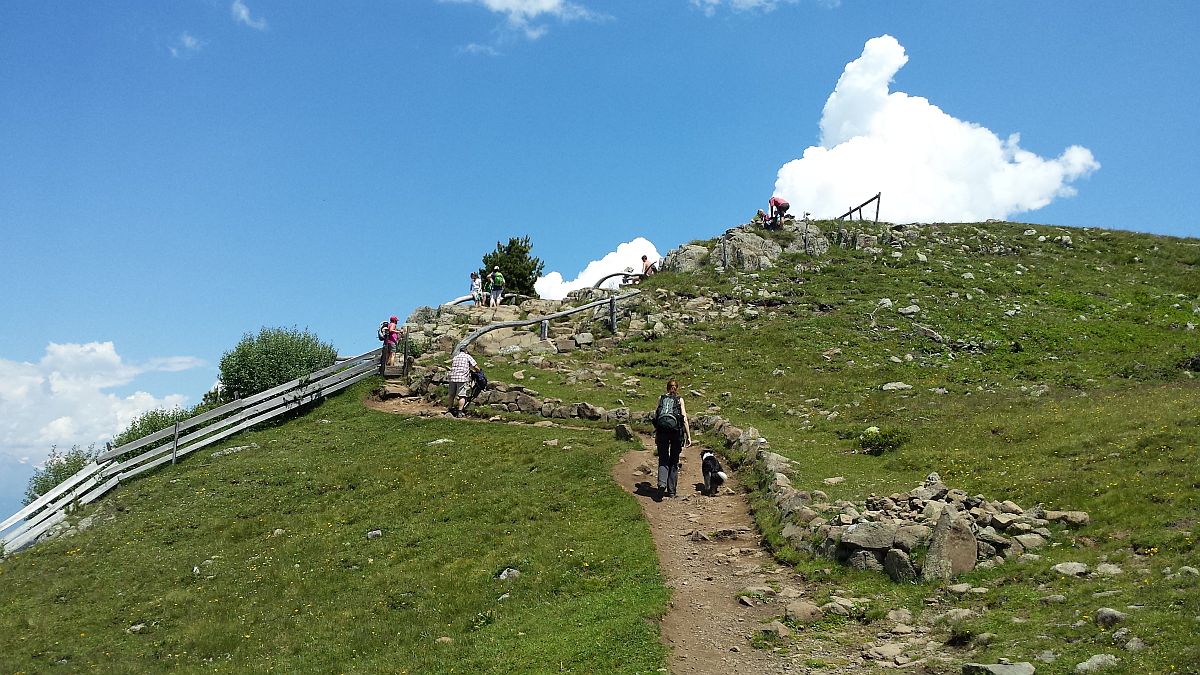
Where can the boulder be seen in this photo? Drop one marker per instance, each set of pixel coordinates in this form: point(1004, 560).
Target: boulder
point(686, 258)
point(624, 433)
point(809, 239)
point(898, 566)
point(952, 548)
point(803, 612)
point(1022, 668)
point(745, 251)
point(870, 535)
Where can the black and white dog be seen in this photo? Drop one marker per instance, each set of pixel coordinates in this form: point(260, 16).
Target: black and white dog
point(714, 476)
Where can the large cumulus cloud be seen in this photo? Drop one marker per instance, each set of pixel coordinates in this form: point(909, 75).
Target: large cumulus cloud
point(628, 255)
point(62, 399)
point(929, 165)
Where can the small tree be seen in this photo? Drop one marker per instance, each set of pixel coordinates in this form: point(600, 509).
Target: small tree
point(271, 358)
point(152, 421)
point(58, 467)
point(520, 269)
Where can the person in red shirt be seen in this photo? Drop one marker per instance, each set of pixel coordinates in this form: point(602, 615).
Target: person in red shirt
point(779, 207)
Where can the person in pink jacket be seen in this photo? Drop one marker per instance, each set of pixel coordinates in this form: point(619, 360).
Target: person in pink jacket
point(779, 207)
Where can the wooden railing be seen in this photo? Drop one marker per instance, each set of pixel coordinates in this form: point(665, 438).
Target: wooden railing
point(858, 209)
point(545, 320)
point(115, 464)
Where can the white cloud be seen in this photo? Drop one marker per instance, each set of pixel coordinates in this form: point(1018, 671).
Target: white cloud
point(479, 50)
point(710, 7)
point(521, 16)
point(628, 255)
point(241, 14)
point(61, 399)
point(185, 45)
point(929, 166)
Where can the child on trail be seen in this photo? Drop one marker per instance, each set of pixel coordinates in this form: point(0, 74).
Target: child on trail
point(476, 289)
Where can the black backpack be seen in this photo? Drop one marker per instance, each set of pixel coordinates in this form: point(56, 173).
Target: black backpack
point(668, 416)
point(383, 330)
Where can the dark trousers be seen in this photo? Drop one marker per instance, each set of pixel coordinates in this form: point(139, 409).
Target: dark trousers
point(669, 444)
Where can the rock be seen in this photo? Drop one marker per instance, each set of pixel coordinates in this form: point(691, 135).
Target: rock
point(1108, 570)
point(959, 589)
point(896, 386)
point(864, 560)
point(374, 534)
point(1053, 599)
point(1022, 668)
point(952, 548)
point(1030, 541)
point(835, 608)
point(1097, 663)
point(510, 573)
point(870, 535)
point(584, 339)
point(898, 566)
point(136, 628)
point(1046, 656)
point(909, 537)
point(909, 310)
point(1107, 617)
point(775, 630)
point(886, 651)
point(955, 615)
point(624, 433)
point(900, 616)
point(1071, 569)
point(444, 640)
point(809, 239)
point(803, 612)
point(687, 258)
point(1135, 645)
point(1071, 518)
point(745, 251)
point(834, 480)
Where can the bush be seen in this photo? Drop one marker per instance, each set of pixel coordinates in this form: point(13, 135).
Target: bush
point(150, 422)
point(58, 468)
point(875, 441)
point(274, 356)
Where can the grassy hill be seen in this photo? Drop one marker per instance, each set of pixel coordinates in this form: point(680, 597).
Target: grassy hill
point(1061, 373)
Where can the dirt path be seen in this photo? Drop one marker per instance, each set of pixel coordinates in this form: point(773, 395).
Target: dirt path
point(709, 553)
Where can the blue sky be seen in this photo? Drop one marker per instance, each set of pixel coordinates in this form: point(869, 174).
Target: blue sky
point(176, 174)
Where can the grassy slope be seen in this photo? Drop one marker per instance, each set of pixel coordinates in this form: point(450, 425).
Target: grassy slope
point(322, 597)
point(1114, 434)
point(1102, 325)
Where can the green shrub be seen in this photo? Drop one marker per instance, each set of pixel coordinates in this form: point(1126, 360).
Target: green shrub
point(875, 441)
point(58, 467)
point(271, 358)
point(150, 422)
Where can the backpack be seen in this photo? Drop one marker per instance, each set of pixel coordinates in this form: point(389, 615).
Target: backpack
point(481, 381)
point(383, 330)
point(498, 280)
point(667, 417)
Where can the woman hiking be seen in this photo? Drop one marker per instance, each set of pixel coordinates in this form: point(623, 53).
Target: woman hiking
point(671, 432)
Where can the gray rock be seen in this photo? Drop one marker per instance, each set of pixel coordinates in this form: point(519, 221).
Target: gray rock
point(1022, 668)
point(1108, 570)
point(686, 258)
point(624, 433)
point(1107, 617)
point(1071, 569)
point(864, 560)
point(909, 310)
point(510, 573)
point(1030, 541)
point(803, 612)
point(745, 251)
point(896, 386)
point(909, 537)
point(1135, 645)
point(870, 535)
point(776, 630)
point(952, 548)
point(1071, 518)
point(809, 239)
point(374, 534)
point(898, 566)
point(1097, 663)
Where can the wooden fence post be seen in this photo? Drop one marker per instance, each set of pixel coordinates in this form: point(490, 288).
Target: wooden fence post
point(175, 443)
point(404, 354)
point(612, 315)
point(545, 332)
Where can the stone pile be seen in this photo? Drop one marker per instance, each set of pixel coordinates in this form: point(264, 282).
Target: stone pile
point(954, 531)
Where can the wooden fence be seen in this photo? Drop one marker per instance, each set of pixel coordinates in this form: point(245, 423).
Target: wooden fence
point(858, 209)
point(118, 464)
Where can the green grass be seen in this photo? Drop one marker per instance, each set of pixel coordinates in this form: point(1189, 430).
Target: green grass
point(321, 597)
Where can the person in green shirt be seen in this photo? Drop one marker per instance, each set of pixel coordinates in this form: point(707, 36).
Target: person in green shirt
point(497, 279)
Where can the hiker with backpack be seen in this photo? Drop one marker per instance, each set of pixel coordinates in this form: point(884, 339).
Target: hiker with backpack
point(497, 286)
point(389, 335)
point(461, 368)
point(779, 208)
point(672, 432)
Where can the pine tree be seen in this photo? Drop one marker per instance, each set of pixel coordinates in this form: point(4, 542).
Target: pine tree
point(519, 268)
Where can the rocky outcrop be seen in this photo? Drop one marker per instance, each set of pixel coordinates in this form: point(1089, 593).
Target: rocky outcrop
point(686, 258)
point(739, 249)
